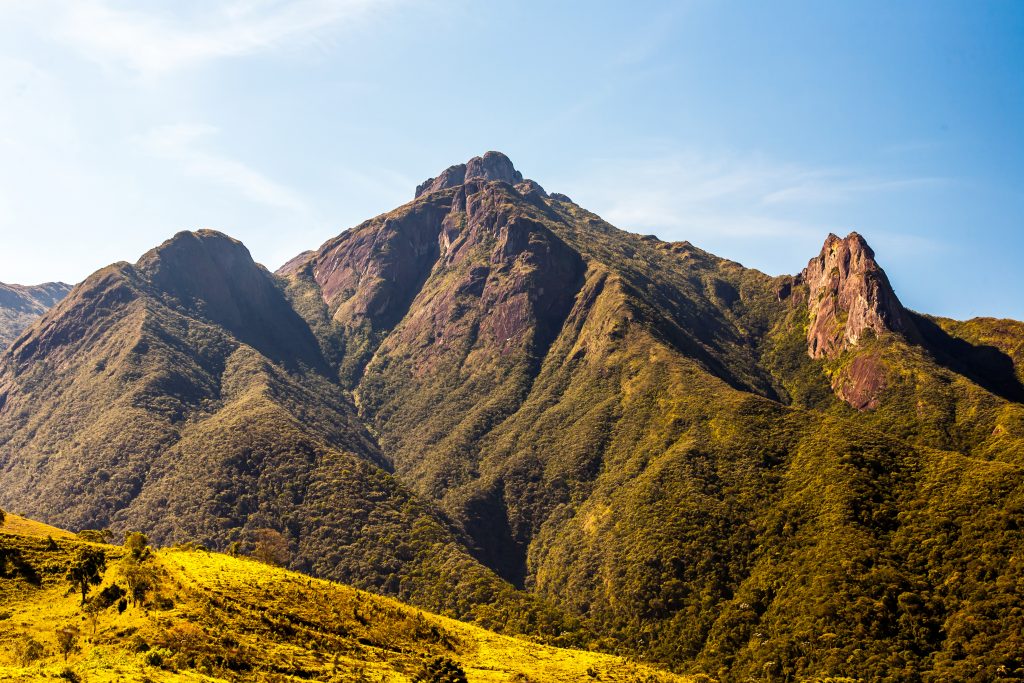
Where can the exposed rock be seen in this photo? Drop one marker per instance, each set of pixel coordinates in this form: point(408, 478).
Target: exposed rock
point(848, 297)
point(493, 166)
point(786, 285)
point(450, 177)
point(862, 383)
point(561, 197)
point(530, 187)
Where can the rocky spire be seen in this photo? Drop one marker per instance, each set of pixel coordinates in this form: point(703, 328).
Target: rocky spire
point(849, 296)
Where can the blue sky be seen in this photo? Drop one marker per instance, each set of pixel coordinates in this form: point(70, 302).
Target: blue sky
point(751, 129)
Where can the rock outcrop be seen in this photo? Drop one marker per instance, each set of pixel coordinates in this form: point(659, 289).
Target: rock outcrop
point(491, 166)
point(849, 297)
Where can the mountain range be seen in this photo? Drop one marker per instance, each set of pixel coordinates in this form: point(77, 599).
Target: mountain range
point(491, 403)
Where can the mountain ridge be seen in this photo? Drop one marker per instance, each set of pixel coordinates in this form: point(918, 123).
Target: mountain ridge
point(619, 441)
point(21, 305)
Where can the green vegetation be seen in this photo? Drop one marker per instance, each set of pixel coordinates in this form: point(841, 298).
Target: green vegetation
point(504, 409)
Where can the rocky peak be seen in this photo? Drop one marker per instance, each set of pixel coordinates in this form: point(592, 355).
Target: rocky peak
point(491, 166)
point(848, 296)
point(212, 276)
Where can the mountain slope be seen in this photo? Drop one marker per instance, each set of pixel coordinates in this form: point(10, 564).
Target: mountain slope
point(20, 306)
point(491, 402)
point(670, 445)
point(182, 395)
point(211, 617)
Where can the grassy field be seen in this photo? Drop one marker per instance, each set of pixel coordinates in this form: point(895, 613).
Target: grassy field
point(213, 617)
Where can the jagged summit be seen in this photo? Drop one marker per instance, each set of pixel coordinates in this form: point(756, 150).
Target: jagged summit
point(849, 296)
point(491, 166)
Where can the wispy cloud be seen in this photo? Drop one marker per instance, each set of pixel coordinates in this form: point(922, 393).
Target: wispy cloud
point(150, 42)
point(737, 195)
point(769, 214)
point(184, 145)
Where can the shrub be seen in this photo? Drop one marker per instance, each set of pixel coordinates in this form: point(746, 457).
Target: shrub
point(137, 543)
point(95, 535)
point(441, 670)
point(28, 650)
point(67, 641)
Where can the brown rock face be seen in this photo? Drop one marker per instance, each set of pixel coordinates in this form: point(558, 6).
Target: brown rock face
point(491, 166)
point(862, 384)
point(848, 296)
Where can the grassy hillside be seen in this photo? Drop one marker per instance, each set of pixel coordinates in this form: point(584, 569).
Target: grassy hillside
point(212, 617)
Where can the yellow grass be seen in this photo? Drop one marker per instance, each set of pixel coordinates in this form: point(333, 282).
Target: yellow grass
point(282, 625)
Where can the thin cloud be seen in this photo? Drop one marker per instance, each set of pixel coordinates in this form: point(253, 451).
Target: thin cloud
point(728, 192)
point(183, 144)
point(765, 213)
point(153, 43)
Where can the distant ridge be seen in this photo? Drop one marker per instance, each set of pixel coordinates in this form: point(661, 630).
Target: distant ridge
point(20, 306)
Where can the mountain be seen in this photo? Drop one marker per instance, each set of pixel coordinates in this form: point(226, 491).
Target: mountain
point(20, 306)
point(621, 442)
point(211, 617)
point(183, 395)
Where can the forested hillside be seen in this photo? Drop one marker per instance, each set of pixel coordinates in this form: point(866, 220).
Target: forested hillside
point(491, 402)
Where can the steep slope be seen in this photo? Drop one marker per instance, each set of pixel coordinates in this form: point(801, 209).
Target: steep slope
point(658, 451)
point(20, 306)
point(204, 616)
point(675, 447)
point(937, 383)
point(183, 395)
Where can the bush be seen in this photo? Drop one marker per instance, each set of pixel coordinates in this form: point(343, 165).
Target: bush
point(95, 535)
point(67, 641)
point(158, 657)
point(137, 543)
point(69, 675)
point(271, 548)
point(441, 670)
point(28, 650)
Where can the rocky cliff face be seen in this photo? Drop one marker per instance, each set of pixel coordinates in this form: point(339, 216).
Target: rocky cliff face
point(491, 166)
point(849, 297)
point(20, 306)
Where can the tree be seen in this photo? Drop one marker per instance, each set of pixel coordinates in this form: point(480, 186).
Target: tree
point(92, 610)
point(87, 570)
point(141, 579)
point(137, 543)
point(67, 640)
point(271, 548)
point(96, 535)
